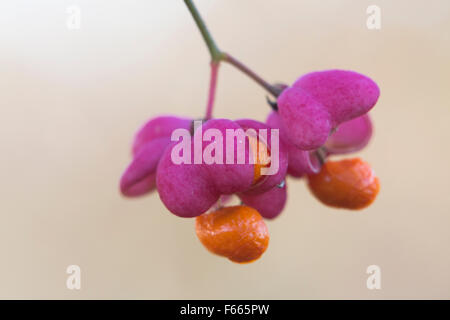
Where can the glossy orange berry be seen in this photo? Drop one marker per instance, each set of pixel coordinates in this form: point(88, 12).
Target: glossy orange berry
point(237, 233)
point(349, 184)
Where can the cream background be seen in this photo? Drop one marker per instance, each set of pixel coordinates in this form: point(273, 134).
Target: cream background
point(70, 102)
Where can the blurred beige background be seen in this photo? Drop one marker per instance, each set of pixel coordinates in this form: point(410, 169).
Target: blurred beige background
point(71, 100)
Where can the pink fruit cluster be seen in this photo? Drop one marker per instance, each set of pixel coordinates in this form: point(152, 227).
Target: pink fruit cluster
point(318, 102)
point(189, 190)
point(322, 110)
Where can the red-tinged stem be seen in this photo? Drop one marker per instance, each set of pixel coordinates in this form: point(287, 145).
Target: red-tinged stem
point(212, 88)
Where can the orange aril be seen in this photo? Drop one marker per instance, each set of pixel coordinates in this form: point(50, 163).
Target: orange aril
point(261, 156)
point(349, 184)
point(237, 233)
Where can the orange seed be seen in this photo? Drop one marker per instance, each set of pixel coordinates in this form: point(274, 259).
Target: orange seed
point(349, 184)
point(237, 233)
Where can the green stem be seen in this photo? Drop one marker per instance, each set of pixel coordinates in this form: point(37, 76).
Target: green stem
point(274, 90)
point(216, 55)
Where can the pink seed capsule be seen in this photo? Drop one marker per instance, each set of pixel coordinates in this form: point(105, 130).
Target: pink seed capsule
point(306, 121)
point(270, 203)
point(225, 156)
point(185, 189)
point(139, 178)
point(300, 162)
point(276, 169)
point(350, 136)
point(159, 127)
point(153, 137)
point(320, 101)
point(345, 94)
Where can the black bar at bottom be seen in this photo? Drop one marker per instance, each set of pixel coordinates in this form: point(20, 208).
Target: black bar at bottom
point(224, 309)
